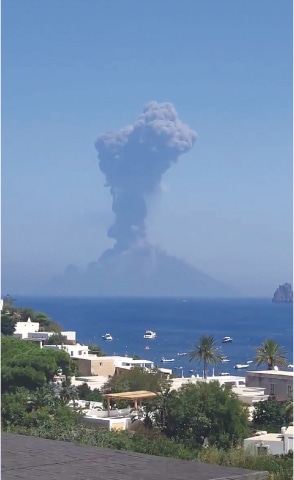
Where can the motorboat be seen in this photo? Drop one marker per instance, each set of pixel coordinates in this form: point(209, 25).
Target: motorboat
point(224, 374)
point(227, 340)
point(225, 359)
point(149, 334)
point(290, 366)
point(182, 354)
point(107, 336)
point(241, 365)
point(249, 361)
point(165, 360)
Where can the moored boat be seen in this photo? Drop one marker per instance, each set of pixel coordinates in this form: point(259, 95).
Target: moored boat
point(165, 360)
point(107, 336)
point(149, 334)
point(241, 365)
point(227, 340)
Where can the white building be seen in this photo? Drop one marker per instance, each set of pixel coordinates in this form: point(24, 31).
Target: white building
point(1, 304)
point(22, 329)
point(77, 350)
point(272, 443)
point(70, 336)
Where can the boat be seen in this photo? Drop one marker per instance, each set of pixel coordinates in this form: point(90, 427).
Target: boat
point(107, 336)
point(290, 366)
point(182, 354)
point(225, 359)
point(224, 374)
point(249, 361)
point(165, 360)
point(241, 365)
point(149, 334)
point(227, 340)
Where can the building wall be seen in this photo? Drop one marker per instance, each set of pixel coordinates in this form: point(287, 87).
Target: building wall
point(276, 447)
point(97, 366)
point(23, 328)
point(279, 385)
point(73, 350)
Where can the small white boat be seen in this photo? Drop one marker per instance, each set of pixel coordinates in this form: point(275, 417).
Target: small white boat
point(290, 366)
point(182, 354)
point(165, 360)
point(227, 340)
point(224, 374)
point(107, 336)
point(249, 361)
point(241, 365)
point(225, 360)
point(149, 334)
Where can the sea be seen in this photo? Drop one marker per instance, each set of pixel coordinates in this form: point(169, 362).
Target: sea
point(178, 323)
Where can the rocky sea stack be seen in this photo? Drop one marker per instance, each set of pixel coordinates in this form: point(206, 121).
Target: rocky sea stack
point(283, 294)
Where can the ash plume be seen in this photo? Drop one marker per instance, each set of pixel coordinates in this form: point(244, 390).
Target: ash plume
point(133, 161)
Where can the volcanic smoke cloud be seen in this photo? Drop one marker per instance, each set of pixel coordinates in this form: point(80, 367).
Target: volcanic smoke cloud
point(133, 161)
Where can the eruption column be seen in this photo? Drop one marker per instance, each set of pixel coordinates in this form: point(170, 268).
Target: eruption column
point(133, 161)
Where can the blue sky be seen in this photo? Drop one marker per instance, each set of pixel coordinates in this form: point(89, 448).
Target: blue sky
point(73, 69)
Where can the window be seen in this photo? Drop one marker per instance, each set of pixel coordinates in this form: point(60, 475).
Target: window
point(272, 388)
point(262, 449)
point(289, 389)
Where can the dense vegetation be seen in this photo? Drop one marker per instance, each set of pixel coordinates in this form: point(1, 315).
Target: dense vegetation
point(175, 424)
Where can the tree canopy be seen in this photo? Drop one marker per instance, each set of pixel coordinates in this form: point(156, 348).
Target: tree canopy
point(202, 411)
point(24, 364)
point(137, 378)
point(270, 353)
point(205, 351)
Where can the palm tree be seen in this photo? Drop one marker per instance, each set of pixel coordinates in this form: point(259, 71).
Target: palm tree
point(206, 352)
point(271, 354)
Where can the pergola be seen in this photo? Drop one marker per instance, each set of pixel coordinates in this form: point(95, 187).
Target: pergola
point(136, 396)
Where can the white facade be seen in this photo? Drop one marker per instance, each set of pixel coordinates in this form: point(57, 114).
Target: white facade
point(272, 443)
point(71, 336)
point(22, 329)
point(73, 350)
point(1, 304)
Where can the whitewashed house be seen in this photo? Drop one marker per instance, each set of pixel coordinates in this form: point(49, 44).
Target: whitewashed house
point(271, 443)
point(22, 329)
point(43, 336)
point(77, 350)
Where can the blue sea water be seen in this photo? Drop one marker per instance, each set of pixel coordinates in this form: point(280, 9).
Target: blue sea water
point(178, 323)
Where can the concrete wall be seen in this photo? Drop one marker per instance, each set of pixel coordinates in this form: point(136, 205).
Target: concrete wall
point(95, 366)
point(275, 447)
point(274, 383)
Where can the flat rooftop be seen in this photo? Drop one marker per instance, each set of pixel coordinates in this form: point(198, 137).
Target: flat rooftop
point(283, 373)
point(30, 458)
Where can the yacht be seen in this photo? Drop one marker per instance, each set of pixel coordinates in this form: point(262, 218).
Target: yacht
point(165, 360)
point(241, 365)
point(227, 340)
point(149, 334)
point(107, 336)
